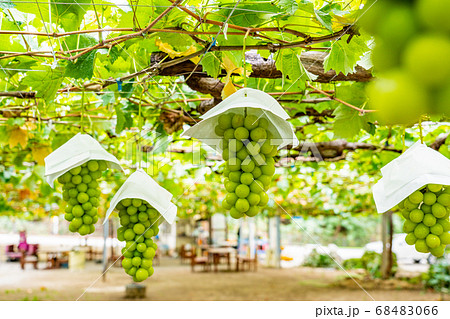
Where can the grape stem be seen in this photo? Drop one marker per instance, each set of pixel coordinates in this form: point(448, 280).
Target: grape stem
point(420, 130)
point(82, 112)
point(403, 139)
point(340, 101)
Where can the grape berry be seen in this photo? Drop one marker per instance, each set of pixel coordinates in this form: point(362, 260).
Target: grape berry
point(81, 192)
point(426, 213)
point(139, 222)
point(249, 164)
point(412, 63)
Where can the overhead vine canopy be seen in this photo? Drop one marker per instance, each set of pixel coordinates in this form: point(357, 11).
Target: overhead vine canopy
point(116, 68)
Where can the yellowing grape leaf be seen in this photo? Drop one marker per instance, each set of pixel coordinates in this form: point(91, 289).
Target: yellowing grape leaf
point(230, 67)
point(39, 153)
point(17, 136)
point(167, 48)
point(229, 88)
point(196, 60)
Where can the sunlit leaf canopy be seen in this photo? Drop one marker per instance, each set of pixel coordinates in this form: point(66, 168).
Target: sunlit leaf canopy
point(127, 71)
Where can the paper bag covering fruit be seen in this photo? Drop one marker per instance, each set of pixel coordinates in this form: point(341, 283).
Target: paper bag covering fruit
point(247, 128)
point(141, 203)
point(78, 165)
point(418, 182)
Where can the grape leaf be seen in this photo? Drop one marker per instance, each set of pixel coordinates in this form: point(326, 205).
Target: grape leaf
point(236, 57)
point(59, 139)
point(139, 17)
point(67, 14)
point(229, 87)
point(348, 122)
point(248, 15)
point(39, 153)
point(124, 119)
point(118, 68)
point(145, 11)
point(113, 54)
point(306, 5)
point(8, 43)
point(171, 51)
point(324, 18)
point(45, 80)
point(211, 64)
point(175, 42)
point(73, 41)
point(288, 6)
point(344, 56)
point(353, 94)
point(108, 98)
point(230, 68)
point(289, 63)
point(229, 65)
point(18, 136)
point(83, 67)
point(127, 90)
point(71, 15)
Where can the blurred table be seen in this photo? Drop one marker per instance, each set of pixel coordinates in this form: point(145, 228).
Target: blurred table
point(216, 254)
point(92, 253)
point(55, 258)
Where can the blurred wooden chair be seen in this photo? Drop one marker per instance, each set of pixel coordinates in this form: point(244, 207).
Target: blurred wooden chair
point(29, 256)
point(243, 261)
point(199, 260)
point(185, 253)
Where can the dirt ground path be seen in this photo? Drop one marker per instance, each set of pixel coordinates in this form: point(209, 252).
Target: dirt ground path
point(173, 281)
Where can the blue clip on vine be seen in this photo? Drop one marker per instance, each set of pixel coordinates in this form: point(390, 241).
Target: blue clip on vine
point(213, 44)
point(119, 85)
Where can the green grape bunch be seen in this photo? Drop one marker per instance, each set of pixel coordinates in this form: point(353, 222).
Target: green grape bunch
point(426, 213)
point(139, 223)
point(81, 192)
point(249, 165)
point(412, 65)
